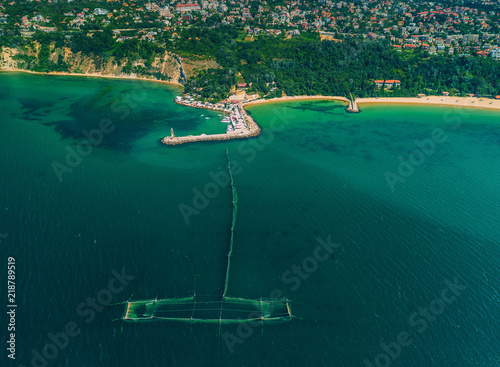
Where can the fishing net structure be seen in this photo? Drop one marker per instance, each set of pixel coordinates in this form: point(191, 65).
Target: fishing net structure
point(209, 309)
point(212, 309)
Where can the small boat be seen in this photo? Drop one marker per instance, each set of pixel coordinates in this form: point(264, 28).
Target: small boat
point(207, 118)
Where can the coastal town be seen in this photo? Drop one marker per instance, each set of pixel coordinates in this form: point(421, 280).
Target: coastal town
point(246, 50)
point(437, 28)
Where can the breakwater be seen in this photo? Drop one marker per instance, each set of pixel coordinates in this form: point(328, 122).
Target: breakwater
point(252, 131)
point(353, 106)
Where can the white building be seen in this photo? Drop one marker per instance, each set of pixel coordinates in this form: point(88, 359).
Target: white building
point(99, 11)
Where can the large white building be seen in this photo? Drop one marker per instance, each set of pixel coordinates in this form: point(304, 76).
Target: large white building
point(99, 11)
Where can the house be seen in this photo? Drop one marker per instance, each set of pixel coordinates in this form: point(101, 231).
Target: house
point(390, 83)
point(99, 11)
point(446, 93)
point(495, 53)
point(164, 12)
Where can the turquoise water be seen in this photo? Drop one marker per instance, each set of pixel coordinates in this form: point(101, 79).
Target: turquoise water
point(316, 172)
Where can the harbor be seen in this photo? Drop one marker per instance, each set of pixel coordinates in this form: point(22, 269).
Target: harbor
point(239, 124)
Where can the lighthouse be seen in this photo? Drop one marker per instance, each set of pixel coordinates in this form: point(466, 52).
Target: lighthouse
point(172, 136)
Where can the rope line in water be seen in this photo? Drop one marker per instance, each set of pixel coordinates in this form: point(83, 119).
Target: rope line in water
point(233, 223)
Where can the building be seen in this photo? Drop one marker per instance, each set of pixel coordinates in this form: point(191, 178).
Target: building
point(391, 83)
point(99, 11)
point(187, 7)
point(164, 12)
point(495, 53)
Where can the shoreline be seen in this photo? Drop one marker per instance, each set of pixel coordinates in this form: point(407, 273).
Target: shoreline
point(294, 98)
point(92, 75)
point(468, 102)
point(472, 102)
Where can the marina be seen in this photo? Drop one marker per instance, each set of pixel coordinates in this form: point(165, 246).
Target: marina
point(240, 124)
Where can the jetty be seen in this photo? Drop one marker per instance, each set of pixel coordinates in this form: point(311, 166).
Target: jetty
point(353, 106)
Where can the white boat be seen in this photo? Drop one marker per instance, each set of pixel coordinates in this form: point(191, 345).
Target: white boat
point(226, 120)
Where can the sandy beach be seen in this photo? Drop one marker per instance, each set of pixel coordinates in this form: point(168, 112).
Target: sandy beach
point(294, 98)
point(92, 75)
point(437, 100)
point(429, 100)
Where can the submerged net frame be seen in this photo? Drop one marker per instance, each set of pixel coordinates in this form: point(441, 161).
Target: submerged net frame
point(225, 310)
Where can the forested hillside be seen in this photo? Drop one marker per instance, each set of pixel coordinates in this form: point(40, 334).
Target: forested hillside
point(298, 65)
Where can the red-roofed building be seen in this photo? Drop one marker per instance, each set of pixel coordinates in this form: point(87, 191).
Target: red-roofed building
point(390, 83)
point(187, 7)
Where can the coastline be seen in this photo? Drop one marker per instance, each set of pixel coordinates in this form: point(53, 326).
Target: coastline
point(254, 129)
point(473, 102)
point(468, 102)
point(294, 98)
point(92, 75)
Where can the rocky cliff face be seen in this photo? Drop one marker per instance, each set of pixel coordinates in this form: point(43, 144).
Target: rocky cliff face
point(165, 67)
